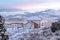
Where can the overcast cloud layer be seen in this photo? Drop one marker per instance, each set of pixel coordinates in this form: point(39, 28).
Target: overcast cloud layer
point(30, 5)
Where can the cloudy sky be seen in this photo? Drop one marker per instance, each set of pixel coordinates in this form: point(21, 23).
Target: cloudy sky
point(31, 5)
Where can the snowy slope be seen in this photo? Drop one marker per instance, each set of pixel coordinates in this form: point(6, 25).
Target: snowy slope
point(43, 33)
point(47, 13)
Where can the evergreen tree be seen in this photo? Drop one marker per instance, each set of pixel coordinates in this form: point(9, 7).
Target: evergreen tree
point(55, 26)
point(2, 29)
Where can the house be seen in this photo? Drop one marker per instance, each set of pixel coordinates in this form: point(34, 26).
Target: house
point(15, 23)
point(28, 25)
point(34, 22)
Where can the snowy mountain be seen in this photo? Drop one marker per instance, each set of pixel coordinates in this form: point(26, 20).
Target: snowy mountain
point(10, 12)
point(42, 33)
point(47, 13)
point(9, 9)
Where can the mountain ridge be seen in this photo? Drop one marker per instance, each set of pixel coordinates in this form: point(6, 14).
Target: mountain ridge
point(48, 13)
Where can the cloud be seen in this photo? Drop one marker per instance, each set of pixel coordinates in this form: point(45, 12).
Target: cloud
point(32, 7)
point(10, 11)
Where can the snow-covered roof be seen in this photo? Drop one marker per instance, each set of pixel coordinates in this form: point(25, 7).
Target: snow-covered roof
point(9, 22)
point(15, 20)
point(34, 18)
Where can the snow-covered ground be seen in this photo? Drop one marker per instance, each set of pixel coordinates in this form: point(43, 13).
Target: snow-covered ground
point(43, 33)
point(31, 33)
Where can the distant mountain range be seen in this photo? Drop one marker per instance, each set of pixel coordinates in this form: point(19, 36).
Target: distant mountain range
point(9, 9)
point(47, 13)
